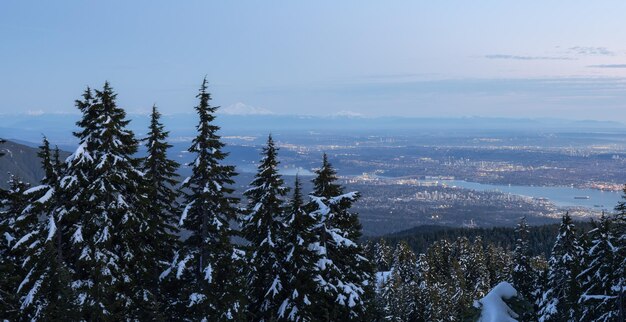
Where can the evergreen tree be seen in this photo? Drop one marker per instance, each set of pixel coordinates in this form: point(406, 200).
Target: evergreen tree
point(559, 299)
point(45, 291)
point(402, 289)
point(473, 266)
point(383, 255)
point(264, 227)
point(300, 263)
point(499, 264)
point(522, 273)
point(106, 212)
point(208, 263)
point(161, 238)
point(344, 270)
point(619, 226)
point(600, 298)
point(13, 226)
point(444, 284)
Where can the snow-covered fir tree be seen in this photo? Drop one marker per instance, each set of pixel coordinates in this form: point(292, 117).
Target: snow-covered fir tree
point(299, 263)
point(444, 284)
point(619, 226)
point(12, 227)
point(561, 291)
point(45, 292)
point(522, 272)
point(105, 212)
point(499, 264)
point(383, 255)
point(263, 225)
point(473, 267)
point(208, 264)
point(600, 299)
point(161, 238)
point(401, 291)
point(344, 270)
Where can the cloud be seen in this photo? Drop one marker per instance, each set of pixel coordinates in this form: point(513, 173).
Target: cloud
point(608, 66)
point(240, 108)
point(517, 57)
point(595, 51)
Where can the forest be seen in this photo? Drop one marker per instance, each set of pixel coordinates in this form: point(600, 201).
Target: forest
point(111, 236)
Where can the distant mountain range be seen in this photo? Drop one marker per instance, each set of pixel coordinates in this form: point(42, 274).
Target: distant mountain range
point(58, 127)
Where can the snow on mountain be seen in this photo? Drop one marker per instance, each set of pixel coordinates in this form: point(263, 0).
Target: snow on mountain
point(240, 108)
point(346, 113)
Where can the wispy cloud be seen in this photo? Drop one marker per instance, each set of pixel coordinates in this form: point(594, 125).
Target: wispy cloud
point(595, 51)
point(608, 66)
point(518, 57)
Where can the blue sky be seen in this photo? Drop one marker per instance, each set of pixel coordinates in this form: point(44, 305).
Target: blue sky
point(407, 58)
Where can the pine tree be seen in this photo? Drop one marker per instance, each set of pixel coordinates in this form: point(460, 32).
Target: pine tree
point(619, 225)
point(264, 227)
point(401, 292)
point(13, 226)
point(600, 298)
point(208, 263)
point(473, 266)
point(106, 212)
point(45, 291)
point(300, 263)
point(444, 284)
point(383, 255)
point(559, 299)
point(161, 238)
point(499, 264)
point(344, 270)
point(522, 273)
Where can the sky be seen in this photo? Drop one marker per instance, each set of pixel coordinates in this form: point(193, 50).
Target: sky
point(561, 58)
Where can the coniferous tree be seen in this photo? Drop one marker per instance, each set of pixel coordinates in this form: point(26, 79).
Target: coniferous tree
point(161, 238)
point(421, 295)
point(105, 213)
point(263, 226)
point(444, 284)
point(402, 289)
point(600, 299)
point(560, 296)
point(499, 264)
point(383, 255)
point(473, 267)
point(522, 273)
point(477, 275)
point(300, 263)
point(208, 263)
point(619, 226)
point(344, 270)
point(45, 291)
point(13, 226)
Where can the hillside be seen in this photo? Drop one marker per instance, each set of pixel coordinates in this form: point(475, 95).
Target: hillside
point(540, 238)
point(20, 160)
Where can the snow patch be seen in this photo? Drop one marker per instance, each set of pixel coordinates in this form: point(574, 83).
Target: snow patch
point(493, 307)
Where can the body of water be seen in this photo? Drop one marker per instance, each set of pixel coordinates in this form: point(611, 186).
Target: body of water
point(560, 196)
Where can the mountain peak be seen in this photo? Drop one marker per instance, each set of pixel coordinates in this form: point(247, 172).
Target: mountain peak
point(240, 108)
